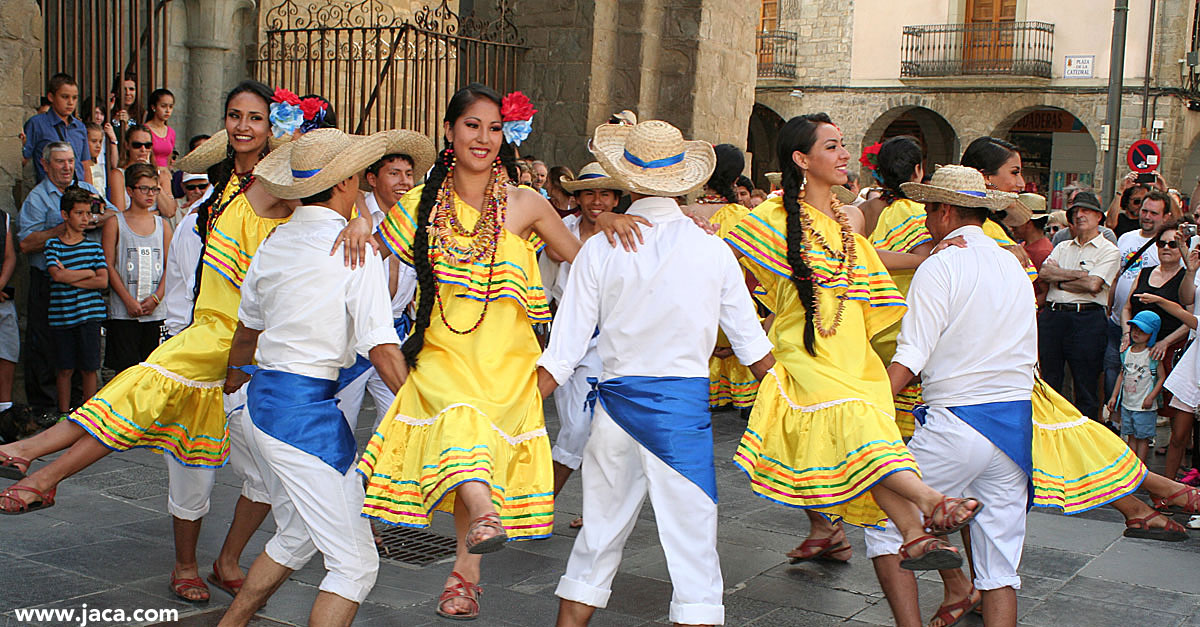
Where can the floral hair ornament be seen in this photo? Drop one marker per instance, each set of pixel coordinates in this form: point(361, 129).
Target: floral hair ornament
point(314, 110)
point(870, 160)
point(286, 114)
point(517, 112)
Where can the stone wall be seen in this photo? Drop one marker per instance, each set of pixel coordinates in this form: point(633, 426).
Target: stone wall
point(825, 31)
point(21, 58)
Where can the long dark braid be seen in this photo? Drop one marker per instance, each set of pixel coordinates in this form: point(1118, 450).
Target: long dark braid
point(799, 135)
point(426, 280)
point(730, 163)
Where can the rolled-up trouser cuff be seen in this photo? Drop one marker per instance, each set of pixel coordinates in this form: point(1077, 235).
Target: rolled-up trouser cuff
point(580, 592)
point(254, 493)
point(882, 542)
point(697, 614)
point(995, 583)
point(355, 590)
point(566, 458)
point(184, 513)
point(189, 489)
point(286, 558)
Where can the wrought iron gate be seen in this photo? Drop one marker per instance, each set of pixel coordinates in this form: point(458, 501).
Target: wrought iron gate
point(380, 71)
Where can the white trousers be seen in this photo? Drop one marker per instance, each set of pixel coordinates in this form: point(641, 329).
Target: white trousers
point(350, 398)
point(316, 508)
point(189, 488)
point(958, 461)
point(617, 474)
point(575, 422)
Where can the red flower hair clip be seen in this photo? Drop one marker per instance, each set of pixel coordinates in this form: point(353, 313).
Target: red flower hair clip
point(516, 107)
point(870, 156)
point(284, 96)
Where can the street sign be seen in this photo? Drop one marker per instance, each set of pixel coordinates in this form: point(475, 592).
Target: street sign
point(1143, 156)
point(1079, 66)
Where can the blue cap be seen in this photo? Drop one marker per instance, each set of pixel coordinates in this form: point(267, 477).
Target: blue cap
point(1149, 322)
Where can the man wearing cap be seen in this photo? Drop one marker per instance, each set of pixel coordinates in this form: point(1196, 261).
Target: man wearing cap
point(596, 193)
point(657, 311)
point(303, 317)
point(975, 436)
point(1072, 330)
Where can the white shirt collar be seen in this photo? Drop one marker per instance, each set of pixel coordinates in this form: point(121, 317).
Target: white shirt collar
point(967, 231)
point(656, 209)
point(315, 213)
point(1092, 241)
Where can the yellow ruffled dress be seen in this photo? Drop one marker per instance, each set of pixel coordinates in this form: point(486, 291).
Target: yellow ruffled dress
point(172, 402)
point(729, 382)
point(470, 410)
point(823, 429)
point(901, 228)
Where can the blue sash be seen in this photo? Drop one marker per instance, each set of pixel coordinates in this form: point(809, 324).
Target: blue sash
point(301, 411)
point(667, 415)
point(1007, 424)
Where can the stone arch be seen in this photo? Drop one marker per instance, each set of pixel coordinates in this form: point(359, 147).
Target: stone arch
point(935, 133)
point(1058, 148)
point(762, 133)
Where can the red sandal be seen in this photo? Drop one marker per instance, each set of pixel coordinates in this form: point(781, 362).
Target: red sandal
point(461, 590)
point(229, 586)
point(491, 520)
point(1140, 528)
point(11, 505)
point(827, 551)
point(949, 508)
point(945, 613)
point(936, 554)
point(181, 586)
point(1191, 507)
point(9, 469)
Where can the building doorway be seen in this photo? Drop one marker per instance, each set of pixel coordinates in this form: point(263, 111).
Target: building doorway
point(1056, 151)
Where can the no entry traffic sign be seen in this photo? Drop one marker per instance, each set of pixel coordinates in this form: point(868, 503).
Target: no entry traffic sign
point(1143, 156)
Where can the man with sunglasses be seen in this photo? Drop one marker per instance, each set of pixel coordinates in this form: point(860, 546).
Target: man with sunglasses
point(1136, 253)
point(1072, 330)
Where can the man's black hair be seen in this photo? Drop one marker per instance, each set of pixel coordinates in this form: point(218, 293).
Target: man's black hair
point(374, 167)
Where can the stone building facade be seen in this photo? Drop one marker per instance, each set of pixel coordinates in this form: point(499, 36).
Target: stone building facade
point(856, 62)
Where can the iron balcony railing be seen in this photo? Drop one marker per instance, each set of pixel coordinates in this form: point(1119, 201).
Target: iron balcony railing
point(777, 54)
point(1011, 48)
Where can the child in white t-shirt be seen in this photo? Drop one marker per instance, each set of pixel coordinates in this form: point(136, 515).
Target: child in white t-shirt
point(1139, 384)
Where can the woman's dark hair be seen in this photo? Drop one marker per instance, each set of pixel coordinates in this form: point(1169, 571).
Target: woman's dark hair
point(730, 163)
point(330, 119)
point(798, 135)
point(220, 172)
point(988, 154)
point(118, 90)
point(426, 280)
point(553, 179)
point(898, 160)
point(1169, 225)
point(155, 96)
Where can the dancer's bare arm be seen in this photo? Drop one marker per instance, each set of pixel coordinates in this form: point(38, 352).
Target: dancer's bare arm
point(241, 353)
point(390, 364)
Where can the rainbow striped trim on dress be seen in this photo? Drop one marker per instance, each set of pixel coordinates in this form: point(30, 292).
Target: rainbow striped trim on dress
point(766, 245)
point(226, 257)
point(1074, 495)
point(722, 391)
point(820, 487)
point(411, 503)
point(905, 236)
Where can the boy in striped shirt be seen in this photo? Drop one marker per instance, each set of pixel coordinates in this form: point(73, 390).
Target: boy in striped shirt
point(78, 277)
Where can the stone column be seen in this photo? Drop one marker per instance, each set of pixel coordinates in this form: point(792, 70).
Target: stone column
point(211, 43)
point(21, 56)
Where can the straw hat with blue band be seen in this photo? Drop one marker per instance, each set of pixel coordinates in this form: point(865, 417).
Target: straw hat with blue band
point(652, 158)
point(316, 161)
point(963, 187)
point(592, 176)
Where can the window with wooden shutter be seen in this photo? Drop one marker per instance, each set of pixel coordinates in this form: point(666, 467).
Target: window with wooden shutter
point(988, 44)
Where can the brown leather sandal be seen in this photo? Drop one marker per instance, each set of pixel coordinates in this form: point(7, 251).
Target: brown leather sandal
point(945, 613)
point(943, 519)
point(1140, 528)
point(936, 554)
point(9, 469)
point(11, 505)
point(826, 551)
point(461, 590)
point(182, 586)
point(491, 520)
point(1192, 506)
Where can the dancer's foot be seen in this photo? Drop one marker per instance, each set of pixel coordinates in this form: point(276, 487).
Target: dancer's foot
point(227, 578)
point(486, 534)
point(459, 599)
point(187, 585)
point(832, 547)
point(953, 610)
point(13, 462)
point(1185, 501)
point(24, 494)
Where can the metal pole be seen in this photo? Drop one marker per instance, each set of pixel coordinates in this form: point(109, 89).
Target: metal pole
point(1149, 57)
point(1116, 76)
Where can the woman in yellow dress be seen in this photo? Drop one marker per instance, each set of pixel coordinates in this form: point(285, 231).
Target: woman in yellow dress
point(466, 432)
point(173, 401)
point(823, 435)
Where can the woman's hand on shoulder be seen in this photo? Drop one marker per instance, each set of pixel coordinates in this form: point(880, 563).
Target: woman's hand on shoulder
point(624, 227)
point(354, 240)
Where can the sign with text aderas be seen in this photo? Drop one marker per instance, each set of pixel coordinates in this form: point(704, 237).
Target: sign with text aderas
point(1079, 66)
point(1143, 156)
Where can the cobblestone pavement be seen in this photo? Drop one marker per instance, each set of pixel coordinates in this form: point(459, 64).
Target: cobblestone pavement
point(107, 544)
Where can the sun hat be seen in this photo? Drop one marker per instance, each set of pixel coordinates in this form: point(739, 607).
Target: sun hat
point(1058, 217)
point(626, 116)
point(188, 177)
point(592, 176)
point(962, 187)
point(212, 151)
point(652, 158)
point(413, 144)
point(1084, 200)
point(843, 194)
point(1149, 322)
point(1036, 204)
point(316, 161)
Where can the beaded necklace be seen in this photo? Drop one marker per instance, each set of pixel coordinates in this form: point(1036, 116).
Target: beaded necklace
point(484, 237)
point(846, 262)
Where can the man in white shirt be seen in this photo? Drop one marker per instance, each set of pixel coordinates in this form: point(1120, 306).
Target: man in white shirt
point(386, 181)
point(657, 311)
point(303, 317)
point(1073, 328)
point(1136, 253)
point(975, 437)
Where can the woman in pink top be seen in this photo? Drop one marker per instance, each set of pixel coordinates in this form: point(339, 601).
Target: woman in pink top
point(162, 103)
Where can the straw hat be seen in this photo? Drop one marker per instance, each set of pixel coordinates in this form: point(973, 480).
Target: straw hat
point(652, 158)
point(413, 144)
point(775, 179)
point(962, 187)
point(316, 161)
point(212, 151)
point(843, 194)
point(1036, 204)
point(626, 117)
point(592, 176)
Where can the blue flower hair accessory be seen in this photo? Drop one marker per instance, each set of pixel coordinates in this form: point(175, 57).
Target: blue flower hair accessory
point(285, 118)
point(517, 113)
